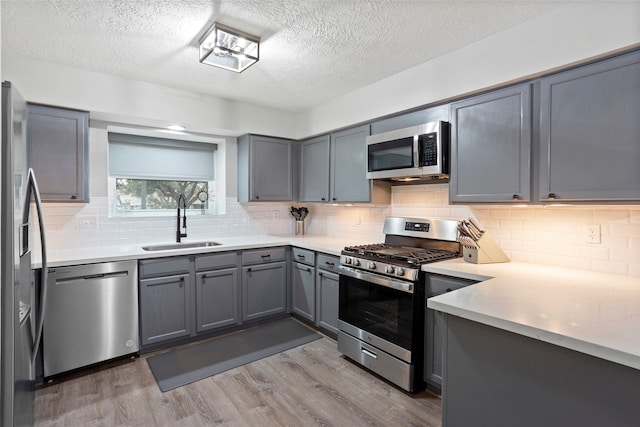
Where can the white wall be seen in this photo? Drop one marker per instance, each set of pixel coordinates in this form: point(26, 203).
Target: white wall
point(116, 99)
point(574, 32)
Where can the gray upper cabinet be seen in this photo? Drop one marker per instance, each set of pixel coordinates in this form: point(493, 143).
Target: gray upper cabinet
point(265, 169)
point(348, 179)
point(314, 169)
point(333, 168)
point(491, 147)
point(590, 132)
point(432, 114)
point(58, 151)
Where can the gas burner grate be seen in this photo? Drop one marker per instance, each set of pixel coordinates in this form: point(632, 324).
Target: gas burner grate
point(409, 255)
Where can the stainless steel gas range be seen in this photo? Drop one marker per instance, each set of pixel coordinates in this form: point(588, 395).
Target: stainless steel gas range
point(382, 297)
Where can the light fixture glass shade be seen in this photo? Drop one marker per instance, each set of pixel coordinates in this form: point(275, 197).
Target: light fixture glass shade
point(230, 49)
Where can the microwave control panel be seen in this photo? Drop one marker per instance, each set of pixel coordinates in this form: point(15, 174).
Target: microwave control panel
point(429, 145)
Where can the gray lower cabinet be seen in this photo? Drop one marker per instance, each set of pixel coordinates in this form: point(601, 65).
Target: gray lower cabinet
point(491, 147)
point(217, 288)
point(265, 169)
point(499, 378)
point(184, 296)
point(435, 327)
point(327, 281)
point(58, 151)
point(264, 283)
point(303, 286)
point(590, 132)
point(166, 293)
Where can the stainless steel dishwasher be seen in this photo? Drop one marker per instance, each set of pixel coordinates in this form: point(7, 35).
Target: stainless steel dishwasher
point(91, 315)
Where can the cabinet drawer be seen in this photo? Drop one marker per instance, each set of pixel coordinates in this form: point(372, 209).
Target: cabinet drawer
point(303, 256)
point(437, 285)
point(216, 261)
point(328, 262)
point(164, 266)
point(263, 256)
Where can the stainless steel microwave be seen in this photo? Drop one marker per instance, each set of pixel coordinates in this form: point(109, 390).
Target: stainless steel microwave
point(416, 153)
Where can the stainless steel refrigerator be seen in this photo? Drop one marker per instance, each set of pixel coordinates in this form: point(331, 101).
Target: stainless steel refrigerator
point(22, 242)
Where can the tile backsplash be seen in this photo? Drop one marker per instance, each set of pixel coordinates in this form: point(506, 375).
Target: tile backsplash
point(544, 235)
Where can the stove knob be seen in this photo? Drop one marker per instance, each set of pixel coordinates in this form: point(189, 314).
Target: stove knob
point(400, 272)
point(347, 260)
point(372, 266)
point(389, 269)
point(356, 262)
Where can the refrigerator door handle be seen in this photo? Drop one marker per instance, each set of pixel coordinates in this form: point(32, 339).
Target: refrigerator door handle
point(32, 188)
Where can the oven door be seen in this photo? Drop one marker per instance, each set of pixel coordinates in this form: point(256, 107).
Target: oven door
point(378, 310)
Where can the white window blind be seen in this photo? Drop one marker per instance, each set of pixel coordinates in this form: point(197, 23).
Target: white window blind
point(134, 156)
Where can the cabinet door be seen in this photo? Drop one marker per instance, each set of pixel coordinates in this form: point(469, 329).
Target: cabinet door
point(58, 151)
point(264, 290)
point(303, 291)
point(432, 114)
point(217, 299)
point(435, 326)
point(314, 171)
point(348, 178)
point(165, 311)
point(327, 301)
point(590, 132)
point(271, 169)
point(435, 330)
point(491, 147)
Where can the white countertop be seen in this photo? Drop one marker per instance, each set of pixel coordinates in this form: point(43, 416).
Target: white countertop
point(330, 245)
point(593, 313)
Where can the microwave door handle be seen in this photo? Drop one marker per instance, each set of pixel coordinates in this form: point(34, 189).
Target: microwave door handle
point(416, 151)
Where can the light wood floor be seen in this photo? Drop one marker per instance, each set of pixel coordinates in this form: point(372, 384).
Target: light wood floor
point(309, 385)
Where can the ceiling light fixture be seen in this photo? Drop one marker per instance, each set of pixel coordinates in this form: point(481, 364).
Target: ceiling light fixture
point(227, 48)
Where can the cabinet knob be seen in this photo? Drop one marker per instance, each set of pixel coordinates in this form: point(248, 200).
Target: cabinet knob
point(323, 199)
point(329, 263)
point(74, 197)
point(300, 256)
point(516, 197)
point(308, 270)
point(448, 290)
point(334, 199)
point(320, 273)
point(249, 270)
point(257, 197)
point(551, 196)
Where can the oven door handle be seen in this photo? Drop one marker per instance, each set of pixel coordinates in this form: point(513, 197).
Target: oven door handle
point(377, 279)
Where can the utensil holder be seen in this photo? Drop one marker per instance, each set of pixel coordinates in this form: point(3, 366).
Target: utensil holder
point(299, 227)
point(486, 251)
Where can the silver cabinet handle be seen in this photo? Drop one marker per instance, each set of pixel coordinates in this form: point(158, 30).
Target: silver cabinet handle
point(369, 353)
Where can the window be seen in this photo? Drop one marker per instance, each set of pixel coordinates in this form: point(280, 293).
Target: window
point(148, 174)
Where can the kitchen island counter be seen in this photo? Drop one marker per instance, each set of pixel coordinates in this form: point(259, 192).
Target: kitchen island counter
point(592, 313)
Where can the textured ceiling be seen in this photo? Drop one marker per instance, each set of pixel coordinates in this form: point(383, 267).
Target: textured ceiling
point(311, 51)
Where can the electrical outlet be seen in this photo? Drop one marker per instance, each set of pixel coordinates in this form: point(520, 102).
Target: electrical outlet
point(86, 223)
point(593, 233)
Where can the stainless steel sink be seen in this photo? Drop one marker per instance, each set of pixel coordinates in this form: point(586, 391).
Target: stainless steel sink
point(174, 246)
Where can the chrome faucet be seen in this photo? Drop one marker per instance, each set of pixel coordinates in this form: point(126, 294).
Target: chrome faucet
point(180, 235)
